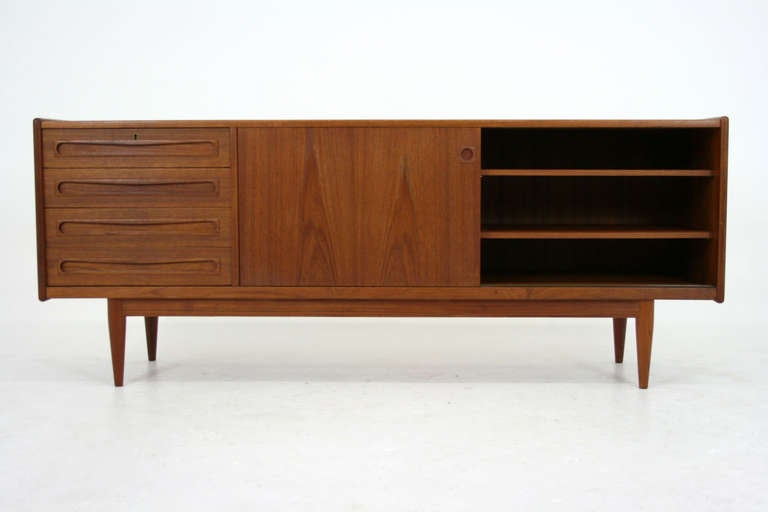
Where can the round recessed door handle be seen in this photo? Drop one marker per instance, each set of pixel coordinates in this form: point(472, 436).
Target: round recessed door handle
point(467, 153)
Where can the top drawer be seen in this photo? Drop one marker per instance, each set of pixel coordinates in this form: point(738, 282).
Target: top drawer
point(141, 147)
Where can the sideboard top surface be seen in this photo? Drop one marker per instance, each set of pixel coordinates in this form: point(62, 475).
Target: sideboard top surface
point(498, 123)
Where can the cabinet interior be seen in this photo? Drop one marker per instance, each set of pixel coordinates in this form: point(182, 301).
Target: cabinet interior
point(599, 206)
point(595, 262)
point(599, 148)
point(664, 202)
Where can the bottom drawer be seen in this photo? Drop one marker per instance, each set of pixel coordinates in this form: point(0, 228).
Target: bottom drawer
point(78, 266)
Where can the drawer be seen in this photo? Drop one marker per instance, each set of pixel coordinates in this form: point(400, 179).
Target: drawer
point(147, 227)
point(104, 187)
point(140, 147)
point(170, 266)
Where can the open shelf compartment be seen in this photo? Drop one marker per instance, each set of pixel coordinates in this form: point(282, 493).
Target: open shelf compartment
point(596, 207)
point(659, 262)
point(674, 150)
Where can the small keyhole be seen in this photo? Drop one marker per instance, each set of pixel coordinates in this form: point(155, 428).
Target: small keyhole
point(135, 136)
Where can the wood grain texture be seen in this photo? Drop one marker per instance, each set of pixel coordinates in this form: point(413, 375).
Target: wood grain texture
point(136, 147)
point(619, 337)
point(235, 206)
point(598, 288)
point(596, 291)
point(150, 329)
point(148, 228)
point(162, 265)
point(644, 335)
point(42, 277)
point(411, 308)
point(358, 207)
point(722, 199)
point(116, 320)
point(140, 187)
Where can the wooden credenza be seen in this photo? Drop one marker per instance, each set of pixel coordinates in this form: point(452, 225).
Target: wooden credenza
point(382, 218)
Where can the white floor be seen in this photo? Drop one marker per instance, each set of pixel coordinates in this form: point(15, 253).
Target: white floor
point(390, 415)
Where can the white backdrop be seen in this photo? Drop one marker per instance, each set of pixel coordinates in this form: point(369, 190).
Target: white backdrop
point(397, 59)
point(383, 414)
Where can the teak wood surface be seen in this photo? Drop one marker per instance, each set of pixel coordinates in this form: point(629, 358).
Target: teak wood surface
point(359, 206)
point(593, 218)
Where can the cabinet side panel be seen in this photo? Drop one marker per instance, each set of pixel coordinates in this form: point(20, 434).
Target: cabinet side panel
point(40, 209)
point(722, 194)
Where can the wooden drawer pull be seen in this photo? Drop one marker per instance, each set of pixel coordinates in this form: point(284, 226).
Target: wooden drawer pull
point(143, 267)
point(136, 147)
point(117, 186)
point(138, 227)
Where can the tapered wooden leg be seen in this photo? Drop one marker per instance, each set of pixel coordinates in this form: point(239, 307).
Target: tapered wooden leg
point(619, 335)
point(117, 338)
point(644, 335)
point(150, 326)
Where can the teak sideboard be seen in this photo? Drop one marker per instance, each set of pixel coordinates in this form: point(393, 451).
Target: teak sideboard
point(545, 218)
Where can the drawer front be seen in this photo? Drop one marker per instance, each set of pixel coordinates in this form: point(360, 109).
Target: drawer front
point(140, 147)
point(147, 227)
point(170, 266)
point(138, 187)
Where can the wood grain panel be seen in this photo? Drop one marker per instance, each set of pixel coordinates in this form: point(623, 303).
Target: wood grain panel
point(147, 228)
point(354, 206)
point(137, 266)
point(40, 205)
point(720, 215)
point(103, 187)
point(136, 147)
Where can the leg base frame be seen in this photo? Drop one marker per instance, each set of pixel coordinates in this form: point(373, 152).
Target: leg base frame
point(151, 309)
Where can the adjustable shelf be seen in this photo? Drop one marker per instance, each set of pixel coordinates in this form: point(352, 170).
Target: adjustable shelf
point(587, 279)
point(692, 173)
point(512, 231)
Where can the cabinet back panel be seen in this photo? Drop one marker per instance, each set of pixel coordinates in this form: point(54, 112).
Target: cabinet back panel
point(620, 201)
